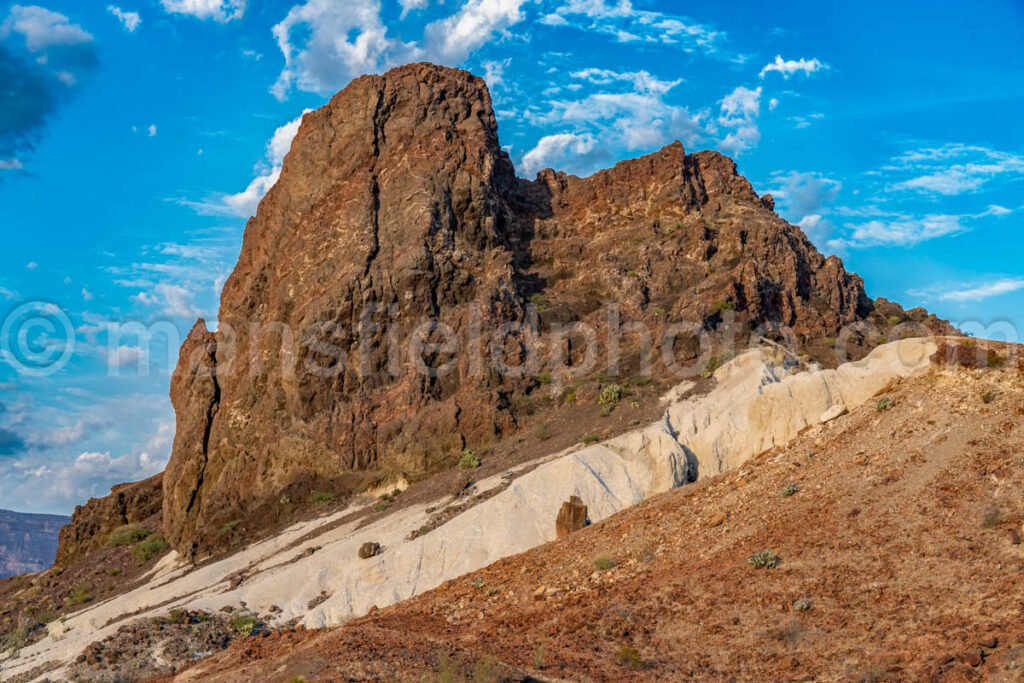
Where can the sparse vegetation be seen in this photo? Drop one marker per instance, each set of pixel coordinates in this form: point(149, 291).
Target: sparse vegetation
point(764, 559)
point(539, 302)
point(129, 534)
point(603, 563)
point(538, 656)
point(885, 404)
point(992, 517)
point(788, 633)
point(802, 605)
point(543, 431)
point(988, 397)
point(153, 547)
point(229, 527)
point(609, 398)
point(469, 460)
point(387, 500)
point(79, 596)
point(321, 498)
point(545, 378)
point(713, 364)
point(789, 490)
point(658, 311)
point(630, 658)
point(725, 305)
point(591, 439)
point(245, 626)
point(994, 360)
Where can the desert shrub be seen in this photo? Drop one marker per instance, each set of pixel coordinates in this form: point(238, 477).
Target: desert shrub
point(539, 302)
point(79, 596)
point(713, 364)
point(591, 439)
point(885, 404)
point(765, 559)
point(630, 658)
point(789, 490)
point(177, 616)
point(228, 527)
point(469, 460)
point(802, 605)
point(545, 378)
point(245, 626)
point(994, 360)
point(988, 396)
point(543, 431)
point(603, 563)
point(130, 534)
point(726, 305)
point(154, 546)
point(609, 398)
point(321, 498)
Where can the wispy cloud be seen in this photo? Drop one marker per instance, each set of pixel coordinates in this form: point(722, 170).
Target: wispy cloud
point(907, 231)
point(740, 110)
point(628, 24)
point(954, 169)
point(130, 20)
point(965, 292)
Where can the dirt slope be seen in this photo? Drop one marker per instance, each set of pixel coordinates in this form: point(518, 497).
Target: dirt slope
point(900, 560)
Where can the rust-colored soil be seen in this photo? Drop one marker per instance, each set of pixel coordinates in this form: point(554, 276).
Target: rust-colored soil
point(900, 561)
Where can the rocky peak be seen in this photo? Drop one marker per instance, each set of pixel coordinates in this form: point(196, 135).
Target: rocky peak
point(398, 217)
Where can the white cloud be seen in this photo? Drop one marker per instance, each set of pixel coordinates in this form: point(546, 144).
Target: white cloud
point(773, 103)
point(954, 169)
point(906, 231)
point(326, 43)
point(10, 165)
point(42, 28)
point(87, 295)
point(627, 24)
point(245, 203)
point(789, 67)
point(977, 291)
point(130, 20)
point(32, 265)
point(412, 5)
point(642, 81)
point(221, 11)
point(151, 131)
point(452, 40)
point(740, 110)
point(126, 356)
point(556, 151)
point(804, 199)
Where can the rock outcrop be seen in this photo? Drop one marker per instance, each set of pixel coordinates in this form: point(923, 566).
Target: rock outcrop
point(394, 294)
point(92, 523)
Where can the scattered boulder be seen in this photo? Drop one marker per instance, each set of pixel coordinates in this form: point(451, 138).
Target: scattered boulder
point(1013, 536)
point(572, 517)
point(836, 411)
point(369, 550)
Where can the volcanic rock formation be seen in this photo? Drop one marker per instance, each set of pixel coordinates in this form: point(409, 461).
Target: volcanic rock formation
point(399, 291)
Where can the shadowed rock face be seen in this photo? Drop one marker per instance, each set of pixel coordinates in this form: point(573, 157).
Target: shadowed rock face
point(396, 206)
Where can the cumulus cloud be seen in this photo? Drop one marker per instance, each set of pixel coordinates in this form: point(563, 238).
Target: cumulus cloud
point(221, 11)
point(565, 149)
point(740, 110)
point(803, 198)
point(954, 169)
point(630, 111)
point(130, 20)
point(327, 43)
point(43, 58)
point(453, 39)
point(412, 5)
point(789, 67)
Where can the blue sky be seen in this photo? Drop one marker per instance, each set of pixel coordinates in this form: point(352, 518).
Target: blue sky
point(136, 138)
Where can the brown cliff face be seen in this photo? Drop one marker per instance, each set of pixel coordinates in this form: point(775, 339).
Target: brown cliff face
point(396, 206)
point(92, 523)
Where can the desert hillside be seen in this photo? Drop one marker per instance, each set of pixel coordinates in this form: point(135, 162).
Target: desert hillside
point(890, 539)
